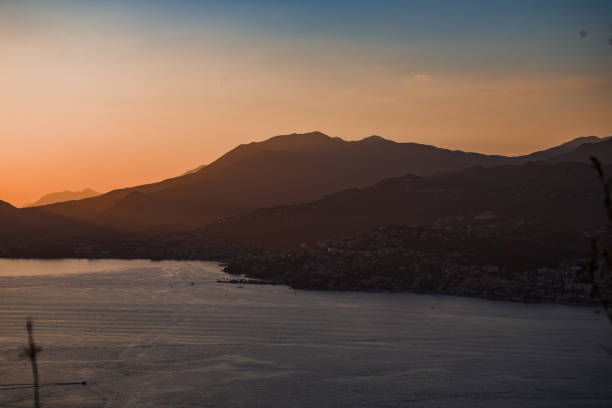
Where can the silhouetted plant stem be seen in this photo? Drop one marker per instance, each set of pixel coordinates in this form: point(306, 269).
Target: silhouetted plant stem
point(606, 187)
point(599, 261)
point(31, 351)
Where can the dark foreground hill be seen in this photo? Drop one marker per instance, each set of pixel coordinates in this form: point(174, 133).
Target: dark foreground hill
point(29, 232)
point(558, 201)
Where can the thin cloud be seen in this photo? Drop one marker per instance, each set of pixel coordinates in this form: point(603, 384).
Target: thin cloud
point(418, 76)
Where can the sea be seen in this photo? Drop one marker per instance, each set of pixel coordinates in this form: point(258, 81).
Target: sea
point(145, 333)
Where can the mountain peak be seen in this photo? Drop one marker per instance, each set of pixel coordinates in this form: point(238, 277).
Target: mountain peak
point(314, 133)
point(374, 139)
point(6, 206)
point(310, 136)
point(297, 141)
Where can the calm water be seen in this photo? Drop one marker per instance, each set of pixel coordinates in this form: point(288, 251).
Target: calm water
point(166, 334)
point(33, 267)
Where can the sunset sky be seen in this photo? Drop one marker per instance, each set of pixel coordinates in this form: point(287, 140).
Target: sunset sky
point(106, 94)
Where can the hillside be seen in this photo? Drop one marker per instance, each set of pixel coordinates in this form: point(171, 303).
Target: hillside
point(31, 232)
point(561, 149)
point(601, 150)
point(235, 199)
point(556, 200)
point(282, 170)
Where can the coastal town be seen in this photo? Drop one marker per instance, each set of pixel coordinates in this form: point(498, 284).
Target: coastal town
point(381, 261)
point(441, 260)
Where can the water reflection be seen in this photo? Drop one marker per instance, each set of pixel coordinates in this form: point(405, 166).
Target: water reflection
point(39, 267)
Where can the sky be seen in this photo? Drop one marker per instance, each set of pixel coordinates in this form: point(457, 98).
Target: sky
point(107, 94)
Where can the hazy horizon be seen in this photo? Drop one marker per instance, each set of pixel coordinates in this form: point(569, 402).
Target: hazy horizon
point(109, 95)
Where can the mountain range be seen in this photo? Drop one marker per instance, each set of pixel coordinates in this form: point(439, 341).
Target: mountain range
point(283, 170)
point(62, 196)
point(257, 191)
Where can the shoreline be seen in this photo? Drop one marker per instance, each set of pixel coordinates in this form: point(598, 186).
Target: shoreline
point(254, 271)
point(255, 281)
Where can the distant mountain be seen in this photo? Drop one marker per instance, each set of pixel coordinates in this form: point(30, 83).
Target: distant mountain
point(62, 196)
point(285, 169)
point(558, 201)
point(602, 150)
point(194, 170)
point(561, 149)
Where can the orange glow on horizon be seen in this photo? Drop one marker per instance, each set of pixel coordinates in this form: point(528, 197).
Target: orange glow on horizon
point(94, 108)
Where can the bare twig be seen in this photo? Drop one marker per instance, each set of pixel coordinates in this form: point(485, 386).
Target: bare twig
point(56, 384)
point(605, 184)
point(600, 257)
point(31, 351)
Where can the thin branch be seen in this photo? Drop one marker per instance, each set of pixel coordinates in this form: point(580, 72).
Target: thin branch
point(31, 351)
